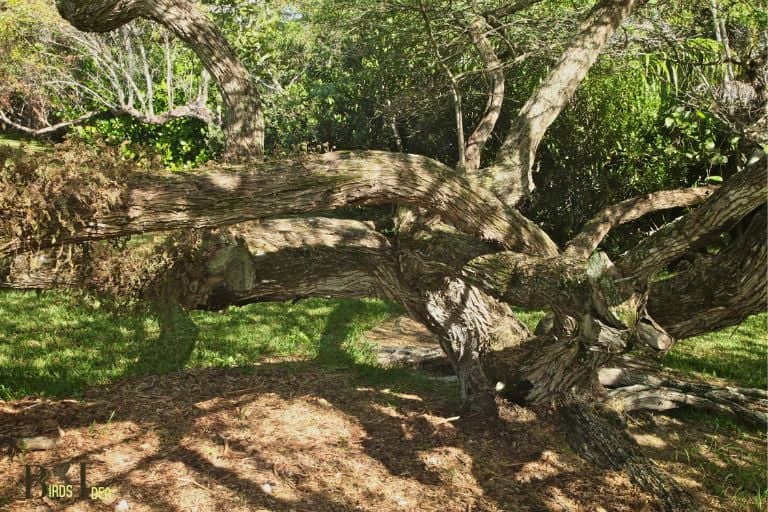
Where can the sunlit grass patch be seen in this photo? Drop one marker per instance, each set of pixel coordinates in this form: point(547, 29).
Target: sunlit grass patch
point(737, 354)
point(56, 344)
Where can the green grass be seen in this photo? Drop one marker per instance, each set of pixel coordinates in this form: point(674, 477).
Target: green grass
point(737, 354)
point(56, 344)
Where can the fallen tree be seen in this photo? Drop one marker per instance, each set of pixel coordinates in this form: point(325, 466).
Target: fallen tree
point(255, 242)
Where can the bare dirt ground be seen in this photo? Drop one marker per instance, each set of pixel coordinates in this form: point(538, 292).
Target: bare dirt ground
point(292, 436)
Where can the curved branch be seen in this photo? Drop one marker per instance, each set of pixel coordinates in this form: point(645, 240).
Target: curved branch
point(234, 194)
point(244, 121)
point(627, 211)
point(192, 110)
point(48, 130)
point(718, 291)
point(741, 194)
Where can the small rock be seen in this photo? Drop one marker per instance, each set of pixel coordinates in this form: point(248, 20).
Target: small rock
point(266, 488)
point(122, 506)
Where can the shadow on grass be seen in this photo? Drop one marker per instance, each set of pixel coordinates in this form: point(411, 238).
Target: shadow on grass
point(735, 353)
point(54, 344)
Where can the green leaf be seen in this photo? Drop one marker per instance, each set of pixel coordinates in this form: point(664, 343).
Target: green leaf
point(719, 159)
point(714, 179)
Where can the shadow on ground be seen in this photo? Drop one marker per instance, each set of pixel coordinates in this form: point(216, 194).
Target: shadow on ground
point(325, 435)
point(328, 434)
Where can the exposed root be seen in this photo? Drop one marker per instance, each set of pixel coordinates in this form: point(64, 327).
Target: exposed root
point(633, 389)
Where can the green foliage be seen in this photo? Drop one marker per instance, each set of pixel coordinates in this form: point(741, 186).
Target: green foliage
point(179, 143)
point(639, 140)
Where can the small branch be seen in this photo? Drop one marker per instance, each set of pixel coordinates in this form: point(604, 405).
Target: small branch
point(494, 68)
point(48, 130)
point(511, 8)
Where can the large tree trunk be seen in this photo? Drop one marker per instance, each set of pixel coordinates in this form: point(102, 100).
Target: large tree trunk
point(244, 121)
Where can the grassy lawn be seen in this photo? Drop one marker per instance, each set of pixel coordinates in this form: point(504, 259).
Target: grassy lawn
point(54, 344)
point(57, 345)
point(736, 354)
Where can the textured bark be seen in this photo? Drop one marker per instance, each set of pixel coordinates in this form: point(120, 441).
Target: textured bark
point(740, 195)
point(244, 121)
point(495, 72)
point(596, 229)
point(717, 291)
point(605, 444)
point(510, 177)
point(234, 194)
point(286, 259)
point(597, 315)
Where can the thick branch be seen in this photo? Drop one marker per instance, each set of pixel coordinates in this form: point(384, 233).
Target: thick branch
point(510, 178)
point(280, 259)
point(740, 195)
point(244, 122)
point(234, 194)
point(627, 211)
point(717, 291)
